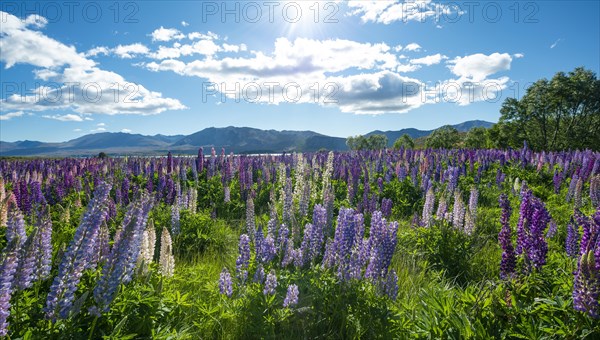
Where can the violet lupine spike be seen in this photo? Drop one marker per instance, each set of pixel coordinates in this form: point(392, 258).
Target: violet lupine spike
point(76, 257)
point(270, 283)
point(8, 266)
point(509, 259)
point(225, 284)
point(428, 206)
point(595, 191)
point(458, 211)
point(119, 266)
point(243, 260)
point(586, 286)
point(291, 297)
point(572, 241)
point(386, 207)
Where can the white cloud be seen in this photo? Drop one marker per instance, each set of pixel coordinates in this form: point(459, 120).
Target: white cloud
point(518, 55)
point(76, 130)
point(65, 118)
point(36, 21)
point(166, 34)
point(97, 51)
point(10, 115)
point(126, 131)
point(78, 84)
point(479, 66)
point(184, 24)
point(100, 129)
point(429, 60)
point(197, 35)
point(130, 51)
point(412, 47)
point(555, 43)
point(101, 124)
point(387, 12)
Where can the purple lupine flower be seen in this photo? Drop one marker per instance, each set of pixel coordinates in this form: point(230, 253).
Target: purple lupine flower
point(509, 259)
point(43, 245)
point(259, 275)
point(77, 256)
point(317, 236)
point(382, 243)
point(291, 297)
point(595, 190)
point(15, 226)
point(391, 285)
point(123, 257)
point(557, 180)
point(577, 195)
point(552, 230)
point(572, 186)
point(243, 260)
point(538, 246)
point(499, 178)
point(200, 160)
point(268, 251)
point(427, 218)
point(572, 241)
point(225, 284)
point(586, 287)
point(270, 283)
point(386, 207)
point(8, 266)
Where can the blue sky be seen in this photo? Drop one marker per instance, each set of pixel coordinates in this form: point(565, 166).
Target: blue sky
point(336, 67)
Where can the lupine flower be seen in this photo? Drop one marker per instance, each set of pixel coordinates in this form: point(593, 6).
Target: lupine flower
point(427, 218)
point(291, 298)
point(77, 256)
point(386, 207)
point(595, 190)
point(167, 260)
point(175, 223)
point(8, 266)
point(572, 241)
point(391, 285)
point(509, 259)
point(442, 209)
point(382, 243)
point(225, 284)
point(124, 254)
point(270, 283)
point(458, 211)
point(259, 275)
point(586, 286)
point(552, 230)
point(250, 220)
point(243, 260)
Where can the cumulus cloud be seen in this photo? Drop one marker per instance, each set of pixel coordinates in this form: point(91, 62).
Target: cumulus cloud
point(130, 51)
point(126, 131)
point(184, 24)
point(478, 66)
point(77, 83)
point(413, 47)
point(65, 118)
point(10, 115)
point(166, 34)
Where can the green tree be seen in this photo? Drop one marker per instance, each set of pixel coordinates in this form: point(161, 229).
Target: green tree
point(476, 138)
point(373, 142)
point(377, 142)
point(446, 137)
point(404, 141)
point(557, 114)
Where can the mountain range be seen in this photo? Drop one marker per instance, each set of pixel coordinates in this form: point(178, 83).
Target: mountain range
point(233, 139)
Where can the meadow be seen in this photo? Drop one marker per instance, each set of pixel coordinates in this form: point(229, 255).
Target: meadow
point(434, 243)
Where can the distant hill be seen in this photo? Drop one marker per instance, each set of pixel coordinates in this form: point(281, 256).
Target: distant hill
point(233, 139)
